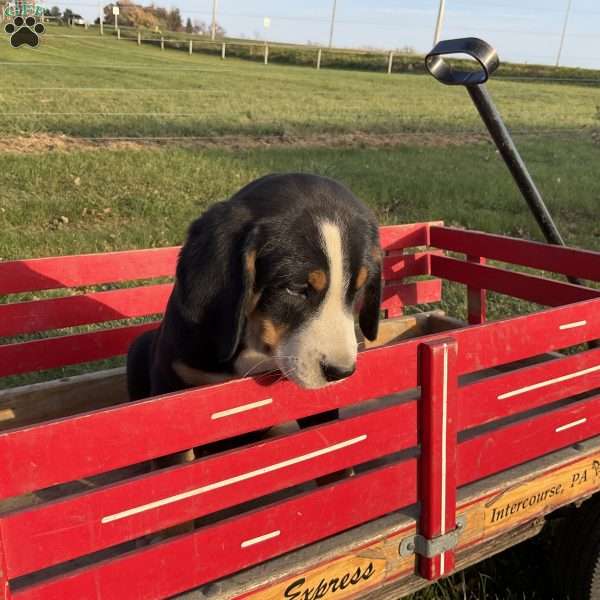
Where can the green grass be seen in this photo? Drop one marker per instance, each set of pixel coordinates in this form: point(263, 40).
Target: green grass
point(124, 199)
point(145, 92)
point(55, 202)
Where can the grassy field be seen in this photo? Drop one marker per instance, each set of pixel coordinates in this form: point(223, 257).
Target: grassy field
point(96, 86)
point(79, 173)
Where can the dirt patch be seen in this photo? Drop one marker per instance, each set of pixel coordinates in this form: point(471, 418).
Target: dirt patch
point(62, 143)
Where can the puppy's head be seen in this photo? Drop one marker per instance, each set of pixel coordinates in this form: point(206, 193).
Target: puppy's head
point(290, 282)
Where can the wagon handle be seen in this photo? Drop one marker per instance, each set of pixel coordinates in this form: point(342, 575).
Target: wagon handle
point(481, 51)
point(474, 81)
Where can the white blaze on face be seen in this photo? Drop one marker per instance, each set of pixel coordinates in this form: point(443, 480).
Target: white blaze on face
point(328, 337)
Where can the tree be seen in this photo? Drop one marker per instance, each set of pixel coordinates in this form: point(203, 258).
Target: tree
point(68, 15)
point(189, 28)
point(174, 22)
point(54, 12)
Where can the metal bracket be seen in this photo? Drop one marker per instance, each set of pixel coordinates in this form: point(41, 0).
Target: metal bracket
point(417, 544)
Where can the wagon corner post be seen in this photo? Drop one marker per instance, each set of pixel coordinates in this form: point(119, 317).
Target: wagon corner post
point(436, 475)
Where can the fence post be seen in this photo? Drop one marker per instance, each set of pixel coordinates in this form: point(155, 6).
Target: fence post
point(139, 39)
point(162, 42)
point(223, 50)
point(319, 59)
point(476, 297)
point(191, 47)
point(101, 28)
point(266, 54)
point(85, 25)
point(390, 61)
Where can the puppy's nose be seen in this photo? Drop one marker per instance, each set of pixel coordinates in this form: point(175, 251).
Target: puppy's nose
point(332, 373)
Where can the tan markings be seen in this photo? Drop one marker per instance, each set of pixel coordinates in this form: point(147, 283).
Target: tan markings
point(376, 253)
point(252, 303)
point(272, 332)
point(195, 377)
point(251, 262)
point(262, 334)
point(253, 334)
point(363, 273)
point(318, 280)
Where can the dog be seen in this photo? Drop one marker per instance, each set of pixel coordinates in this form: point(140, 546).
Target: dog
point(267, 280)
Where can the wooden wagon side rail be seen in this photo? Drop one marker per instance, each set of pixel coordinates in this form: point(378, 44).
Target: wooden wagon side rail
point(557, 259)
point(126, 429)
point(117, 267)
point(50, 353)
point(448, 434)
point(38, 274)
point(83, 309)
point(251, 538)
point(42, 536)
point(546, 292)
point(45, 535)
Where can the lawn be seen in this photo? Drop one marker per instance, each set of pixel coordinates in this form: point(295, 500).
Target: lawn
point(409, 147)
point(98, 86)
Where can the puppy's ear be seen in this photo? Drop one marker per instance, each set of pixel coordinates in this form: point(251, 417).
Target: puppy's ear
point(215, 280)
point(368, 317)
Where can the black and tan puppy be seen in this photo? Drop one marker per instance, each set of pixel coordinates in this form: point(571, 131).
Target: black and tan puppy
point(269, 279)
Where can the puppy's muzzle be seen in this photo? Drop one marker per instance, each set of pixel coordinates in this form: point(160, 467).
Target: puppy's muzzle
point(333, 373)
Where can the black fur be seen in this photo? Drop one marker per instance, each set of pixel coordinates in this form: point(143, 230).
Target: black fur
point(277, 218)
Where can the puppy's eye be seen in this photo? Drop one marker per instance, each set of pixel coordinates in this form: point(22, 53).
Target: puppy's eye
point(300, 291)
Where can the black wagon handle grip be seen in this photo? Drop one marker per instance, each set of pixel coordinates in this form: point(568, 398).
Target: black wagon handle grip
point(478, 49)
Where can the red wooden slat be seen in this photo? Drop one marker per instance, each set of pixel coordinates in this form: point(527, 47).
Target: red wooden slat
point(527, 388)
point(55, 352)
point(398, 237)
point(229, 546)
point(406, 265)
point(67, 349)
point(90, 269)
point(503, 448)
point(46, 535)
point(85, 269)
point(138, 431)
point(558, 259)
point(437, 427)
point(526, 287)
point(398, 295)
point(42, 315)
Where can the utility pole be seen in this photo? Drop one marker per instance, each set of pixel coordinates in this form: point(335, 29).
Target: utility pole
point(332, 24)
point(564, 31)
point(440, 22)
point(213, 27)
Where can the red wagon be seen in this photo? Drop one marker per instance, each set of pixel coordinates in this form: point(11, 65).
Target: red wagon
point(462, 435)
